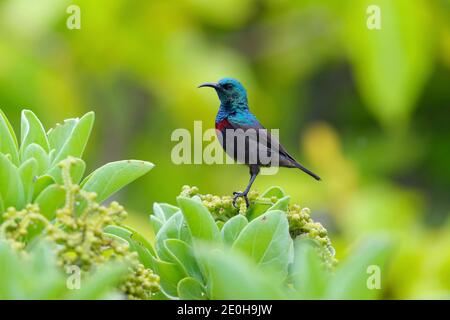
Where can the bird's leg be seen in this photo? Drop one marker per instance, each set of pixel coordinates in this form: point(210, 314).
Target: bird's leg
point(254, 170)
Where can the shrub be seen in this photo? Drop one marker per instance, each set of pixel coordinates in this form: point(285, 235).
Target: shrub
point(30, 172)
point(206, 249)
point(40, 193)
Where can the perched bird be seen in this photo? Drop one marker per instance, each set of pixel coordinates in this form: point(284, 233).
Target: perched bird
point(251, 143)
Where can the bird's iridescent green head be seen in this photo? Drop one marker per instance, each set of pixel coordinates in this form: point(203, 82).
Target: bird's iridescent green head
point(231, 92)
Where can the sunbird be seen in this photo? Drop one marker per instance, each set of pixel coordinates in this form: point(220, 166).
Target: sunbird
point(252, 144)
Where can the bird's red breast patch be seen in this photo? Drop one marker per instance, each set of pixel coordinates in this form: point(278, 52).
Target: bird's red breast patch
point(224, 124)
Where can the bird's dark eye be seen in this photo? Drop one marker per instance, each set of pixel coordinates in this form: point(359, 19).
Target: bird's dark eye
point(227, 86)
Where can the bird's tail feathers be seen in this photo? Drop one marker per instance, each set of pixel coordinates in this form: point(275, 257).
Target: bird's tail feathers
point(312, 174)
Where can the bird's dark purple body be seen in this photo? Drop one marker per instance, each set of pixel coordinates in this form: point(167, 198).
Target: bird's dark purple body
point(234, 121)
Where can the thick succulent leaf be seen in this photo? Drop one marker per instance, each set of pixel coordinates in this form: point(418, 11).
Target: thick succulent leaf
point(266, 240)
point(170, 275)
point(183, 253)
point(161, 213)
point(174, 228)
point(352, 276)
point(139, 247)
point(58, 135)
point(282, 204)
point(274, 191)
point(264, 203)
point(191, 289)
point(51, 199)
point(41, 184)
point(35, 151)
point(11, 187)
point(117, 238)
point(77, 170)
point(27, 171)
point(232, 228)
point(164, 211)
point(308, 274)
point(76, 140)
point(113, 176)
point(140, 239)
point(32, 131)
point(233, 276)
point(257, 208)
point(8, 141)
point(200, 221)
point(156, 223)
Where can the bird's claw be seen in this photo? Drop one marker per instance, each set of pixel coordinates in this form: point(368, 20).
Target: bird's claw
point(237, 195)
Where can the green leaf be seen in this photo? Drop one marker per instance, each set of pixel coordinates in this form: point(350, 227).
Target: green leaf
point(156, 223)
point(308, 273)
point(164, 211)
point(35, 151)
point(266, 241)
point(232, 228)
point(58, 135)
point(170, 275)
point(191, 289)
point(233, 276)
point(50, 200)
point(200, 222)
point(117, 238)
point(76, 139)
point(353, 277)
point(161, 213)
point(27, 172)
point(32, 131)
point(140, 239)
point(282, 204)
point(11, 187)
point(8, 141)
point(257, 208)
point(182, 253)
point(77, 169)
point(144, 251)
point(41, 183)
point(113, 176)
point(274, 191)
point(263, 203)
point(174, 228)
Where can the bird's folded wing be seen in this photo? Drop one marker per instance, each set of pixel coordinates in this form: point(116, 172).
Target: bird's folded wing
point(263, 139)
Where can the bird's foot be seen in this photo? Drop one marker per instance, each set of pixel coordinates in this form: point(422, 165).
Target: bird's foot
point(237, 195)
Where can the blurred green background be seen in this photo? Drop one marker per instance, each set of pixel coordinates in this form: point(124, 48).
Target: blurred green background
point(367, 110)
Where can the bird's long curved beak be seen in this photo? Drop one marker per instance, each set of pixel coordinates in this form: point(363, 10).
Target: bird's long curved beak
point(209, 84)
